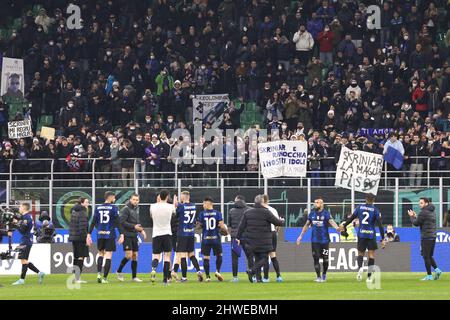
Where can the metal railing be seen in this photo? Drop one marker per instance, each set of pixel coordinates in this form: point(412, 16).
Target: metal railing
point(51, 189)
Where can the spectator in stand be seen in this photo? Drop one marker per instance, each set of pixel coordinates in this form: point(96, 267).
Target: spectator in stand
point(304, 43)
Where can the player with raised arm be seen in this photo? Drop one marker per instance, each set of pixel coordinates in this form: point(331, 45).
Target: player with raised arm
point(319, 219)
point(211, 221)
point(162, 212)
point(369, 216)
point(186, 214)
point(106, 220)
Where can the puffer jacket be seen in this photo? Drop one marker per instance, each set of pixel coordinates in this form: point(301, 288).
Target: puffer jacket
point(235, 217)
point(426, 220)
point(256, 224)
point(78, 226)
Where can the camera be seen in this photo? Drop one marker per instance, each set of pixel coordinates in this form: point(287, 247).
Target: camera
point(44, 230)
point(8, 222)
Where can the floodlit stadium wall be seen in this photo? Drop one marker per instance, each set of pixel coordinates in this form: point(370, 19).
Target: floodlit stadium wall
point(404, 256)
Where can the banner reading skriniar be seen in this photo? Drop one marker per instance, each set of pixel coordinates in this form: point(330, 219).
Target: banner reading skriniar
point(361, 168)
point(283, 158)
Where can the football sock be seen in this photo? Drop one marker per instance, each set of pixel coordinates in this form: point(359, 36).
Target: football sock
point(234, 263)
point(276, 266)
point(122, 264)
point(24, 271)
point(370, 264)
point(107, 268)
point(183, 267)
point(195, 263)
point(317, 266)
point(206, 266)
point(266, 270)
point(218, 263)
point(134, 268)
point(176, 267)
point(166, 270)
point(32, 267)
point(325, 265)
point(155, 263)
point(99, 264)
point(360, 260)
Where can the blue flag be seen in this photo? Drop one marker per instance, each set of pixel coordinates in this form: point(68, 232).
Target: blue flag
point(394, 157)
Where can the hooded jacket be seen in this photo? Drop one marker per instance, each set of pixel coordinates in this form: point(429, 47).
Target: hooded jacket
point(235, 217)
point(128, 219)
point(426, 220)
point(78, 226)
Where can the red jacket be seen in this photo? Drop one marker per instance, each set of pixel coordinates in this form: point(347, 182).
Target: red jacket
point(419, 98)
point(325, 41)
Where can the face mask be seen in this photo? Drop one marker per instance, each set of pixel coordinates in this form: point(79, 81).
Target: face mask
point(93, 139)
point(70, 105)
point(132, 128)
point(147, 120)
point(152, 57)
point(110, 140)
point(169, 120)
point(372, 39)
point(406, 37)
point(139, 138)
point(354, 85)
point(51, 43)
point(108, 53)
point(78, 94)
point(284, 127)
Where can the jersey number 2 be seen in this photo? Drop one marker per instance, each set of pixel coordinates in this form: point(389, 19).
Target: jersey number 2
point(366, 217)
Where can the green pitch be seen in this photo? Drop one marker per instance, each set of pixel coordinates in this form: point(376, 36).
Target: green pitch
point(403, 286)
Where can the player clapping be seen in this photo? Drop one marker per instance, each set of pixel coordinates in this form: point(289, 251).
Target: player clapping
point(211, 221)
point(106, 218)
point(319, 219)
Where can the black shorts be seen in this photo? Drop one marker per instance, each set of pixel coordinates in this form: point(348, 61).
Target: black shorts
point(216, 248)
point(185, 244)
point(80, 249)
point(174, 240)
point(367, 244)
point(320, 250)
point(25, 252)
point(106, 244)
point(130, 243)
point(274, 241)
point(162, 244)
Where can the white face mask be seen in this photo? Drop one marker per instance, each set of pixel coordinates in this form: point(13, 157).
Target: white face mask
point(169, 120)
point(78, 94)
point(284, 127)
point(70, 105)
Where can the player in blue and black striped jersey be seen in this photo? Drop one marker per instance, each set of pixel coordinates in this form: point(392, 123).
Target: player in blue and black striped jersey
point(369, 216)
point(186, 214)
point(211, 221)
point(105, 220)
point(319, 219)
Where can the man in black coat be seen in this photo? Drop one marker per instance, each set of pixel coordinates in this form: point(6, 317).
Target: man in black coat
point(78, 230)
point(130, 226)
point(426, 220)
point(235, 217)
point(256, 224)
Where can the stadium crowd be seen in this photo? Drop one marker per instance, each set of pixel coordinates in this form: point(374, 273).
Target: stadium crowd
point(117, 88)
